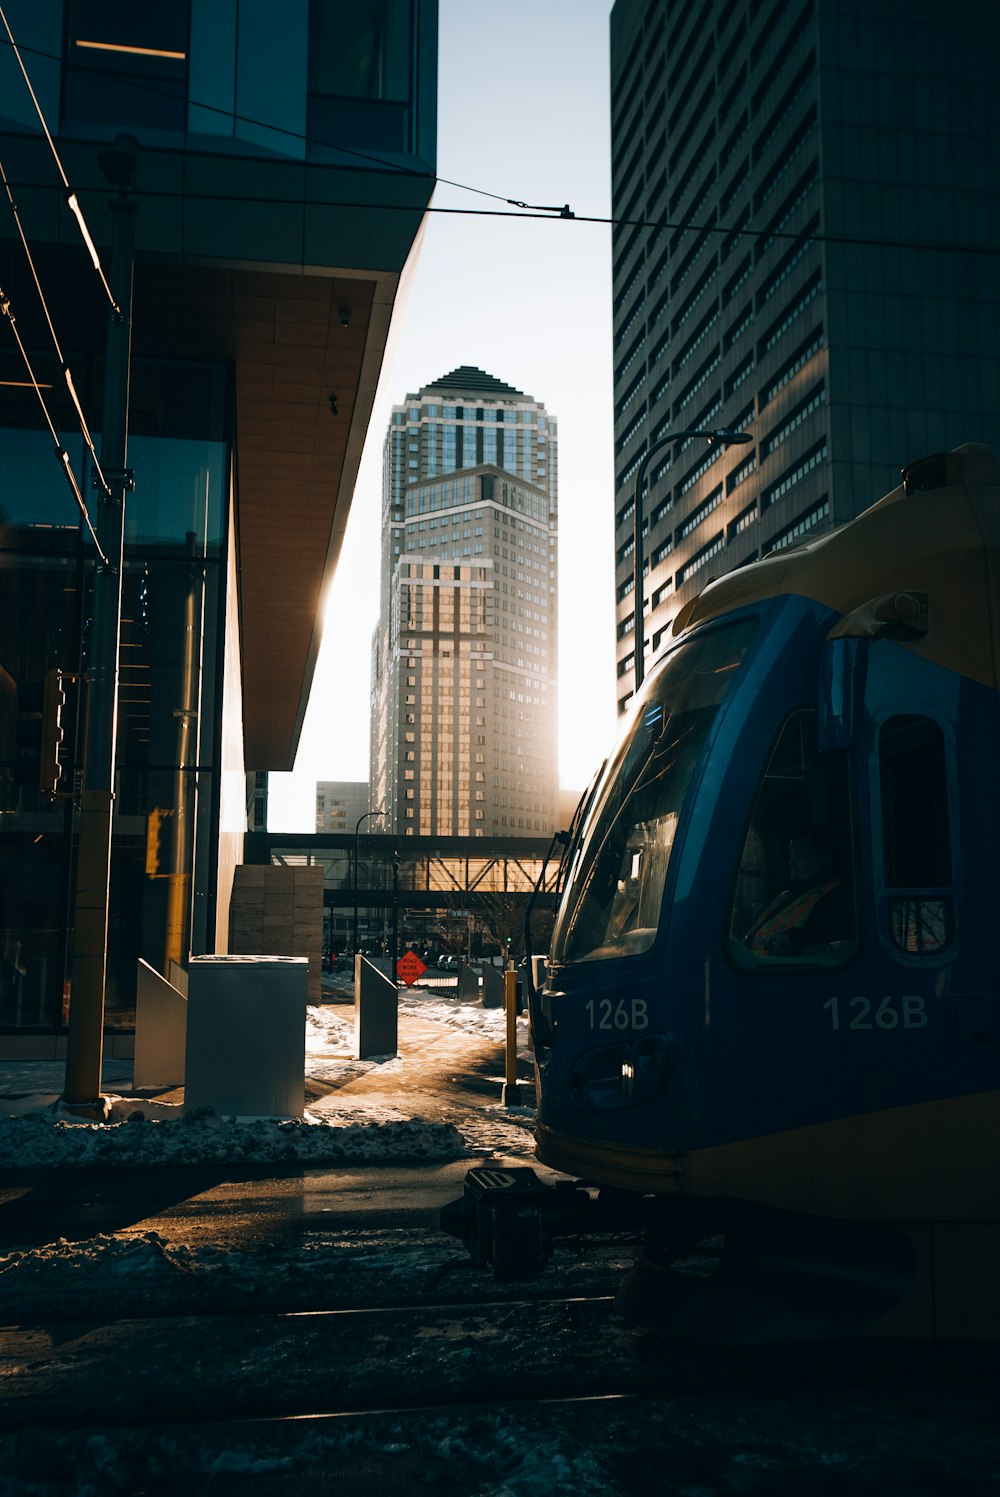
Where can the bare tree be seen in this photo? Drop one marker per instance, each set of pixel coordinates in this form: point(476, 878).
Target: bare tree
point(500, 912)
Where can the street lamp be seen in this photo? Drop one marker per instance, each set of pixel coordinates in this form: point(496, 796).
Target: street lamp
point(394, 929)
point(357, 846)
point(725, 438)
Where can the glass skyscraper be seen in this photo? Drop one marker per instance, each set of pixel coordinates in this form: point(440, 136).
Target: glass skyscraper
point(464, 656)
point(807, 210)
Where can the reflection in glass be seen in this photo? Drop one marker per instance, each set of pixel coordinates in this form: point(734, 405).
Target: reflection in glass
point(612, 906)
point(794, 898)
point(166, 719)
point(916, 836)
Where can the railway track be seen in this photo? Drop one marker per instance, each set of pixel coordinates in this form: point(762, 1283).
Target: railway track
point(435, 1378)
point(523, 1397)
point(184, 1367)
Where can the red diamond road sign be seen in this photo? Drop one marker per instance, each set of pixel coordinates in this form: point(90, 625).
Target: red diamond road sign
point(410, 967)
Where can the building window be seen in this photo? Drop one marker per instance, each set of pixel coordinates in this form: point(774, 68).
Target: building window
point(126, 63)
point(794, 897)
point(359, 73)
point(799, 413)
point(917, 895)
point(775, 491)
point(805, 522)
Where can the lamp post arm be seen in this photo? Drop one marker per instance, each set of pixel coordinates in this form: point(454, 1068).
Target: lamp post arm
point(357, 853)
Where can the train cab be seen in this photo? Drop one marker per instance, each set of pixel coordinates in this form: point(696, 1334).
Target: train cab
point(772, 1000)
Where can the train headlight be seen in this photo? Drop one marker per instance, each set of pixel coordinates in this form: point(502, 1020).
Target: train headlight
point(622, 1075)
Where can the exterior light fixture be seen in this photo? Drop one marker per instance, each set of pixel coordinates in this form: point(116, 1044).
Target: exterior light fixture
point(345, 316)
point(333, 405)
point(721, 437)
point(132, 51)
point(77, 212)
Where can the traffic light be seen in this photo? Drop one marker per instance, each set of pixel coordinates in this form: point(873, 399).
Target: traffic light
point(49, 767)
point(158, 827)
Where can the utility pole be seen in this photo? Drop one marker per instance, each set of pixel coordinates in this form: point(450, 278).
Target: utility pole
point(85, 1041)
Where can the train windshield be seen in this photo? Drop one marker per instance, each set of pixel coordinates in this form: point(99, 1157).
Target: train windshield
point(612, 905)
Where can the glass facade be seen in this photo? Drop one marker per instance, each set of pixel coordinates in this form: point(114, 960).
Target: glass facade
point(173, 593)
point(803, 251)
point(126, 62)
point(236, 206)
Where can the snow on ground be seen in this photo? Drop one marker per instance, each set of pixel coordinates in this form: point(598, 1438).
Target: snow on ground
point(341, 1127)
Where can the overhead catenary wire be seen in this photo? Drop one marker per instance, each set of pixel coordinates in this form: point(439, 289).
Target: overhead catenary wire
point(72, 201)
point(61, 453)
point(66, 371)
point(552, 215)
point(991, 250)
point(525, 209)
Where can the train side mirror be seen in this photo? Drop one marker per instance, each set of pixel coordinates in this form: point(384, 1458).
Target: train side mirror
point(842, 674)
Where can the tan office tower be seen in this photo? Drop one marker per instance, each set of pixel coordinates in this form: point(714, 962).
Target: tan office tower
point(464, 689)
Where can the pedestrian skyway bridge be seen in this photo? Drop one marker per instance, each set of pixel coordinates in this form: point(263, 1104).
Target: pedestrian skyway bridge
point(423, 873)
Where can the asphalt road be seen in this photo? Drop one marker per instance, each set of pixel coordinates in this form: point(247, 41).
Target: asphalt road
point(194, 1204)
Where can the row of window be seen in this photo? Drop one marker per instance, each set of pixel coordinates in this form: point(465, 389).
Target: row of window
point(500, 416)
point(679, 143)
point(129, 64)
point(742, 323)
point(807, 521)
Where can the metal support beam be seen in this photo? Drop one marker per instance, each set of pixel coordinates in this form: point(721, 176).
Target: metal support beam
point(85, 1042)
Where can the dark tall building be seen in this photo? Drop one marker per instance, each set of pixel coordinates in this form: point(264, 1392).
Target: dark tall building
point(283, 163)
point(808, 211)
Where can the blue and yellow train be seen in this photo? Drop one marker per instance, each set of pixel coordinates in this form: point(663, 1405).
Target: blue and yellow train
point(771, 1010)
point(773, 996)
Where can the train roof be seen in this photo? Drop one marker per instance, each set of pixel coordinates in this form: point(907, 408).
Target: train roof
point(937, 534)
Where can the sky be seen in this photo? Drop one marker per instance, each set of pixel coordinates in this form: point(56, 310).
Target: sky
point(523, 112)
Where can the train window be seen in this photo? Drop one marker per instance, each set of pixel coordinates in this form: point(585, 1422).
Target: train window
point(918, 896)
point(794, 901)
point(612, 905)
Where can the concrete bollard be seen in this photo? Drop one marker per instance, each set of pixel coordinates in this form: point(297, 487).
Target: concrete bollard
point(160, 1030)
point(493, 987)
point(246, 1035)
point(376, 1009)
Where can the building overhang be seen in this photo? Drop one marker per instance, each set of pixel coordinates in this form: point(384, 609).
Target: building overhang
point(306, 351)
point(289, 274)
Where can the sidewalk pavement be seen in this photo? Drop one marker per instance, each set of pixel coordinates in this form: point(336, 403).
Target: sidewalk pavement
point(440, 1074)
